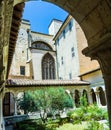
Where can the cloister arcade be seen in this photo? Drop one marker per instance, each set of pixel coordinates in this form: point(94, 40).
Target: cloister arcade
point(94, 95)
point(94, 18)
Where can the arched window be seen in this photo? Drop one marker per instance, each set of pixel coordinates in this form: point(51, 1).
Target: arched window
point(48, 67)
point(41, 45)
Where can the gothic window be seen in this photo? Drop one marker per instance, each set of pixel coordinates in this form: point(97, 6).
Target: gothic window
point(41, 45)
point(48, 67)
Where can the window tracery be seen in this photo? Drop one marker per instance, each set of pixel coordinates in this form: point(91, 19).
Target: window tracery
point(48, 67)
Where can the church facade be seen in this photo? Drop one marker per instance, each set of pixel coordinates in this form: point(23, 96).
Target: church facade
point(57, 55)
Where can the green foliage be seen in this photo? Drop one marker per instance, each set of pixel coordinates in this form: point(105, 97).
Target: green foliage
point(83, 101)
point(94, 125)
point(27, 102)
point(49, 98)
point(92, 112)
point(96, 113)
point(52, 126)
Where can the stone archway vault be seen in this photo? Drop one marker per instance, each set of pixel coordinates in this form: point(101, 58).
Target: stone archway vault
point(94, 18)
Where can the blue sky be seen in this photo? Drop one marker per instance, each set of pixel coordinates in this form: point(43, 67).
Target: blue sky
point(41, 13)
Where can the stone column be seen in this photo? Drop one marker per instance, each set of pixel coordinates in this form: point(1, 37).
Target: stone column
point(73, 97)
point(105, 97)
point(101, 51)
point(98, 98)
point(15, 105)
point(90, 100)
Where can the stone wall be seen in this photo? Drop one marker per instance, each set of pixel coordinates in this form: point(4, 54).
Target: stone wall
point(85, 62)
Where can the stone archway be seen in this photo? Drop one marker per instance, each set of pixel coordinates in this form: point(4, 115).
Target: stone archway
point(102, 96)
point(94, 18)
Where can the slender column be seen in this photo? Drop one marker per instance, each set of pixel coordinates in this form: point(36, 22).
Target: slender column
point(101, 51)
point(15, 105)
point(90, 100)
point(73, 97)
point(105, 97)
point(98, 98)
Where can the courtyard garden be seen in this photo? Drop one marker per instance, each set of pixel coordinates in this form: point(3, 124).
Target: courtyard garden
point(85, 117)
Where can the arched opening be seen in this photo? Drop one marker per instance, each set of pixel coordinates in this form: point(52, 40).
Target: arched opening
point(102, 96)
point(48, 67)
point(77, 98)
point(8, 104)
point(41, 46)
point(85, 95)
point(93, 96)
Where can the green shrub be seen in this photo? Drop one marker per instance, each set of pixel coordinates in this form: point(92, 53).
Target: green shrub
point(40, 127)
point(63, 120)
point(92, 112)
point(51, 126)
point(94, 125)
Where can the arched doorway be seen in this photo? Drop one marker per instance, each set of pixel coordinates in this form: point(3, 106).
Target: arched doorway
point(48, 67)
point(93, 96)
point(102, 96)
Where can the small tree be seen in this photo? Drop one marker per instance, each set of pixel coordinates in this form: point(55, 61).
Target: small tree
point(47, 99)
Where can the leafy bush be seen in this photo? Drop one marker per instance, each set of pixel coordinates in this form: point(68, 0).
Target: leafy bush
point(92, 112)
point(94, 125)
point(40, 127)
point(51, 126)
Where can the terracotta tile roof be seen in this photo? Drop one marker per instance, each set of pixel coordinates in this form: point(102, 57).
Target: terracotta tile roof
point(28, 82)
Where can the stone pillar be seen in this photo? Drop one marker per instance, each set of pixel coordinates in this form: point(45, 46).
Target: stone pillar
point(101, 51)
point(105, 97)
point(15, 105)
point(73, 97)
point(90, 100)
point(98, 98)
